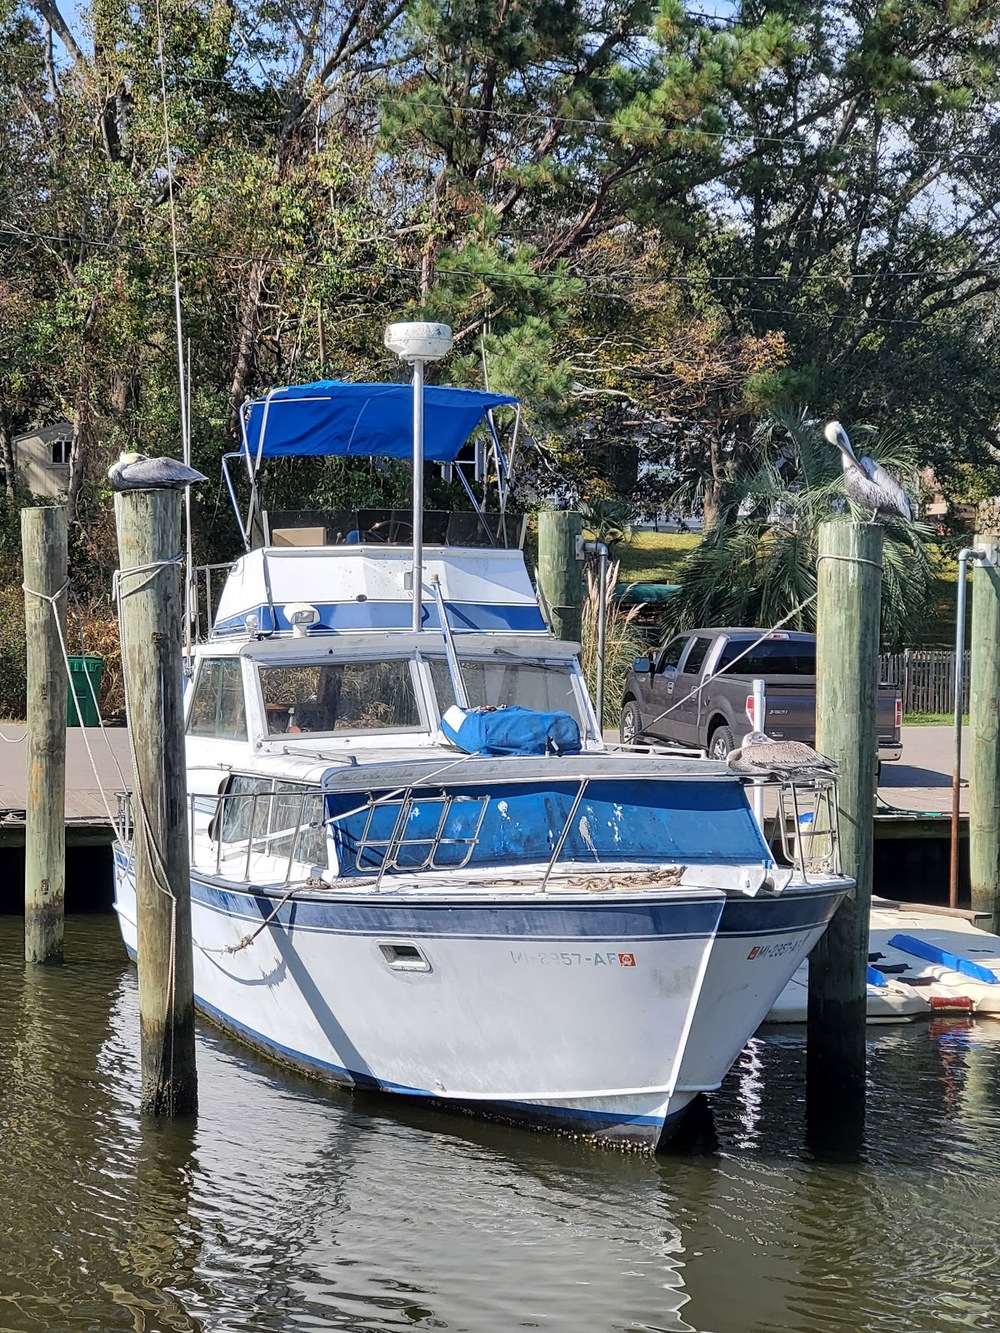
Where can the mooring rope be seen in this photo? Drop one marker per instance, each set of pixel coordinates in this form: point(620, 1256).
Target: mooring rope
point(333, 819)
point(851, 560)
point(52, 599)
point(249, 938)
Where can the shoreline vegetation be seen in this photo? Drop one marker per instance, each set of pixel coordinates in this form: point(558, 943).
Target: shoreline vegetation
point(675, 295)
point(646, 557)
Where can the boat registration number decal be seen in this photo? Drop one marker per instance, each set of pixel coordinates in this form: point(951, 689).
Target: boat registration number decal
point(774, 950)
point(606, 959)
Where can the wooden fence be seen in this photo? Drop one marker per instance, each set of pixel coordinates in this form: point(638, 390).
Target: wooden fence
point(926, 677)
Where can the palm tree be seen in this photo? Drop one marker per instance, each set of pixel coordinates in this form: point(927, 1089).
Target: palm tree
point(610, 521)
point(759, 563)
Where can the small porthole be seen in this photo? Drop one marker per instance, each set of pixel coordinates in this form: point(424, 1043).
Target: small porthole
point(404, 958)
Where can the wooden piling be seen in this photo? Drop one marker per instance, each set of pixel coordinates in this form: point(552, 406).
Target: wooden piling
point(849, 576)
point(151, 628)
point(560, 571)
point(984, 728)
point(43, 542)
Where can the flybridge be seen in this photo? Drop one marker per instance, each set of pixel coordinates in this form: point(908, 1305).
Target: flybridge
point(353, 588)
point(331, 418)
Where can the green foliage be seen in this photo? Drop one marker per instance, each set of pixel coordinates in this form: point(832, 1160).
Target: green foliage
point(758, 567)
point(656, 557)
point(867, 178)
point(12, 653)
point(608, 521)
point(653, 225)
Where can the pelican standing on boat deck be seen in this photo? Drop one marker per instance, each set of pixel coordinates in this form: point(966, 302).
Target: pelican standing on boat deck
point(866, 482)
point(760, 756)
point(138, 472)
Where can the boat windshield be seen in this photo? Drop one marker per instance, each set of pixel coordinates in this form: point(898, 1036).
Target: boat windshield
point(502, 683)
point(340, 696)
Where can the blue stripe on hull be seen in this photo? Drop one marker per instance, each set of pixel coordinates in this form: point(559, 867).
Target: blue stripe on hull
point(461, 919)
point(793, 911)
point(335, 617)
point(675, 918)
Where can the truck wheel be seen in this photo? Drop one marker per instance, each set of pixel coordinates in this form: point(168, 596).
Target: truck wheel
point(720, 743)
point(630, 728)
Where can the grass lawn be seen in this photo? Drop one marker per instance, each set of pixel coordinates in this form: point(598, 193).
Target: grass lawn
point(657, 557)
point(932, 720)
point(654, 557)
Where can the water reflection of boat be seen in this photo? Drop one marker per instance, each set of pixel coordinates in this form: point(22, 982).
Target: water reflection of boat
point(416, 866)
point(923, 960)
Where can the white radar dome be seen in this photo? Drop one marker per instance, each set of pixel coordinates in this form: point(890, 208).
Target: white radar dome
point(418, 342)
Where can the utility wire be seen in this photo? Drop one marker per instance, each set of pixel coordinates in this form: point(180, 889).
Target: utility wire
point(591, 279)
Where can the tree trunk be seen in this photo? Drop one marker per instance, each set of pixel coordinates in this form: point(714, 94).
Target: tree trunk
point(83, 424)
point(249, 327)
point(7, 460)
point(714, 498)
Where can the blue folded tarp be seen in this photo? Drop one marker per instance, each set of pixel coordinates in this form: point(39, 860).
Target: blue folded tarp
point(510, 731)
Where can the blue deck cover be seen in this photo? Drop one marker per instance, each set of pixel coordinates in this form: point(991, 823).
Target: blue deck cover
point(682, 821)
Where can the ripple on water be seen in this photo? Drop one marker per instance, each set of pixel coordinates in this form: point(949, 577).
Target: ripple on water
point(287, 1207)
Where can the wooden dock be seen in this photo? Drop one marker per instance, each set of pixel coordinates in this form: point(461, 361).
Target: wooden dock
point(914, 793)
point(87, 820)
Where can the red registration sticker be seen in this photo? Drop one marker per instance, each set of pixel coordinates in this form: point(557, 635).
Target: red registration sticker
point(627, 959)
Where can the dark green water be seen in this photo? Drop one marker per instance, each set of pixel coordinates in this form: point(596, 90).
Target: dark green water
point(287, 1207)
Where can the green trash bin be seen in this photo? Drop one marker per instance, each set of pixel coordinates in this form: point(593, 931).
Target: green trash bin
point(85, 685)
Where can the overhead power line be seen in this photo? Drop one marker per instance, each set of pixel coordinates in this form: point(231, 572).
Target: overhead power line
point(980, 271)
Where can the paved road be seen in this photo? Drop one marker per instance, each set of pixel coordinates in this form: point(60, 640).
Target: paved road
point(920, 781)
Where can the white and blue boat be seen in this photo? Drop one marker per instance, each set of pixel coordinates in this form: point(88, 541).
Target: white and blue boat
point(416, 867)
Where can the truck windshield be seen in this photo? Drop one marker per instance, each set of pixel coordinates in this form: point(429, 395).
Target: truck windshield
point(773, 657)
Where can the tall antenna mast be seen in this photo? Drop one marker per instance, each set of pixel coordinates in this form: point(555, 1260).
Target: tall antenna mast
point(182, 377)
point(416, 343)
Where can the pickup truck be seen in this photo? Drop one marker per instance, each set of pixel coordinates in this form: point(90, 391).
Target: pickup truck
point(696, 691)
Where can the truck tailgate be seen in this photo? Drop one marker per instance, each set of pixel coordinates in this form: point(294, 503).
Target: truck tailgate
point(790, 707)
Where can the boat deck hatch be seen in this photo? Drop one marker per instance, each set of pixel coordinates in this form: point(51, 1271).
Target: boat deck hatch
point(404, 957)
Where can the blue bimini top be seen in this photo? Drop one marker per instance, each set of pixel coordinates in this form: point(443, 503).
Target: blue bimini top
point(362, 420)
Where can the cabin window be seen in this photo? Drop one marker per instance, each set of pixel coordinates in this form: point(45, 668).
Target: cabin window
point(217, 708)
point(340, 696)
point(276, 819)
point(59, 452)
point(501, 684)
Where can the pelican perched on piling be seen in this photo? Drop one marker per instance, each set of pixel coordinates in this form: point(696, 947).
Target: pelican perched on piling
point(866, 482)
point(138, 472)
point(761, 757)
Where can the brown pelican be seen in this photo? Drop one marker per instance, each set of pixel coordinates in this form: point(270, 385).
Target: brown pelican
point(137, 472)
point(760, 757)
point(866, 482)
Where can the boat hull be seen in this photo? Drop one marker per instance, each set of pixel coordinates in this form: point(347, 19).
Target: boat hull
point(595, 1017)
